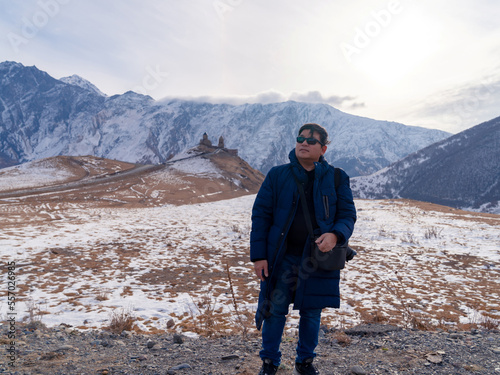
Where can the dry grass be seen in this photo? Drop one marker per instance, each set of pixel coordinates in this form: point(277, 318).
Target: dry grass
point(342, 338)
point(183, 266)
point(409, 317)
point(208, 317)
point(203, 316)
point(102, 295)
point(121, 320)
point(243, 318)
point(35, 314)
point(432, 232)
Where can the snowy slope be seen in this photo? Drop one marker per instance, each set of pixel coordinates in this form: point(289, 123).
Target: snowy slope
point(76, 80)
point(462, 171)
point(33, 174)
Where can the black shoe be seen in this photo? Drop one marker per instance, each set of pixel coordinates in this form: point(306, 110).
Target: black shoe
point(268, 368)
point(306, 368)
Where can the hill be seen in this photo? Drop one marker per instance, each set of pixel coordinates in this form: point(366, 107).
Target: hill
point(55, 171)
point(199, 175)
point(462, 171)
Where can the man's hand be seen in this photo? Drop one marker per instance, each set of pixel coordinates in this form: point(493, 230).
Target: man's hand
point(261, 269)
point(326, 242)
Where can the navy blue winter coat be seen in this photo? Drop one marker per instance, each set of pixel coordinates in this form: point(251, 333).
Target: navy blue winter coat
point(272, 214)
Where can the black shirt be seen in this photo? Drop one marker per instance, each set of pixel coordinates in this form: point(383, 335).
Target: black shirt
point(297, 235)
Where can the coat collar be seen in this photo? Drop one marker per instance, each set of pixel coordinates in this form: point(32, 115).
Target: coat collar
point(320, 167)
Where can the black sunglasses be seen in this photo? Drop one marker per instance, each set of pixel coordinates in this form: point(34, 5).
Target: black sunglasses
point(310, 141)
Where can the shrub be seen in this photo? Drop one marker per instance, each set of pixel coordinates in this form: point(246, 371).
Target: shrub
point(121, 320)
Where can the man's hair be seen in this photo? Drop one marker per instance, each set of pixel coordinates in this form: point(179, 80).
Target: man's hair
point(315, 128)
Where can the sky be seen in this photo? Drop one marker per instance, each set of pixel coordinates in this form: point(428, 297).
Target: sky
point(430, 63)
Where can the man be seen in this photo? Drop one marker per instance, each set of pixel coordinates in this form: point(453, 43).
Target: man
point(279, 246)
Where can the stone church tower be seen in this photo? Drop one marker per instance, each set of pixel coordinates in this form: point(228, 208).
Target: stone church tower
point(205, 141)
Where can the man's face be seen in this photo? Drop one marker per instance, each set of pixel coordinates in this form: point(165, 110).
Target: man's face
point(306, 152)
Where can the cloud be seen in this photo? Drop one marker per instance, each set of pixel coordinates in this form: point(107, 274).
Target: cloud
point(459, 108)
point(262, 98)
point(317, 97)
point(272, 96)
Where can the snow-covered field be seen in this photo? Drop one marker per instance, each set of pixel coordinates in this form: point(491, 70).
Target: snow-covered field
point(169, 264)
point(33, 174)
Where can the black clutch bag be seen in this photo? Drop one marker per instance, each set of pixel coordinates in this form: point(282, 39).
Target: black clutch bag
point(329, 260)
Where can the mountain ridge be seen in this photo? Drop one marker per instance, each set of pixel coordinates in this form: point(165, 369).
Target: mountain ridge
point(43, 117)
point(462, 171)
point(76, 80)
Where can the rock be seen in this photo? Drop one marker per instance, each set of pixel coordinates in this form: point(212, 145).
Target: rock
point(51, 356)
point(358, 370)
point(65, 348)
point(474, 368)
point(107, 343)
point(371, 329)
point(178, 339)
point(434, 358)
point(180, 367)
point(156, 347)
point(231, 356)
point(126, 334)
point(170, 323)
point(150, 344)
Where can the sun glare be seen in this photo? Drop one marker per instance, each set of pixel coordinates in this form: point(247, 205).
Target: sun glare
point(399, 48)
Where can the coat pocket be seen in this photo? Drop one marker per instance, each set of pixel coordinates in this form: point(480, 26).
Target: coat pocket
point(328, 199)
point(326, 206)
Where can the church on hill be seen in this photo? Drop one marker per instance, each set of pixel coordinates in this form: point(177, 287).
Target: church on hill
point(205, 142)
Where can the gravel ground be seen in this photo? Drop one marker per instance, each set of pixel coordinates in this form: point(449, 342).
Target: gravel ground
point(365, 349)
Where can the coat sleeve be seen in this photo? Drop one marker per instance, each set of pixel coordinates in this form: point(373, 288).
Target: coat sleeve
point(345, 215)
point(262, 220)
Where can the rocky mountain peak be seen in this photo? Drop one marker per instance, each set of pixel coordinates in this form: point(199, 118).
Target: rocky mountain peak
point(76, 80)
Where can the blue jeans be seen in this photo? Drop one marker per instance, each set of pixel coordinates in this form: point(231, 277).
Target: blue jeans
point(273, 326)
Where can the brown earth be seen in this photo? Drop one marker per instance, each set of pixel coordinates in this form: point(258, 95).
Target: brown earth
point(97, 182)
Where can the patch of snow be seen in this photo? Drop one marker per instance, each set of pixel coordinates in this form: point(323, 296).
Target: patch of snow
point(197, 167)
point(32, 174)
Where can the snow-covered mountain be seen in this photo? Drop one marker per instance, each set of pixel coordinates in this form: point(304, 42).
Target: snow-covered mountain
point(76, 80)
point(43, 117)
point(462, 171)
